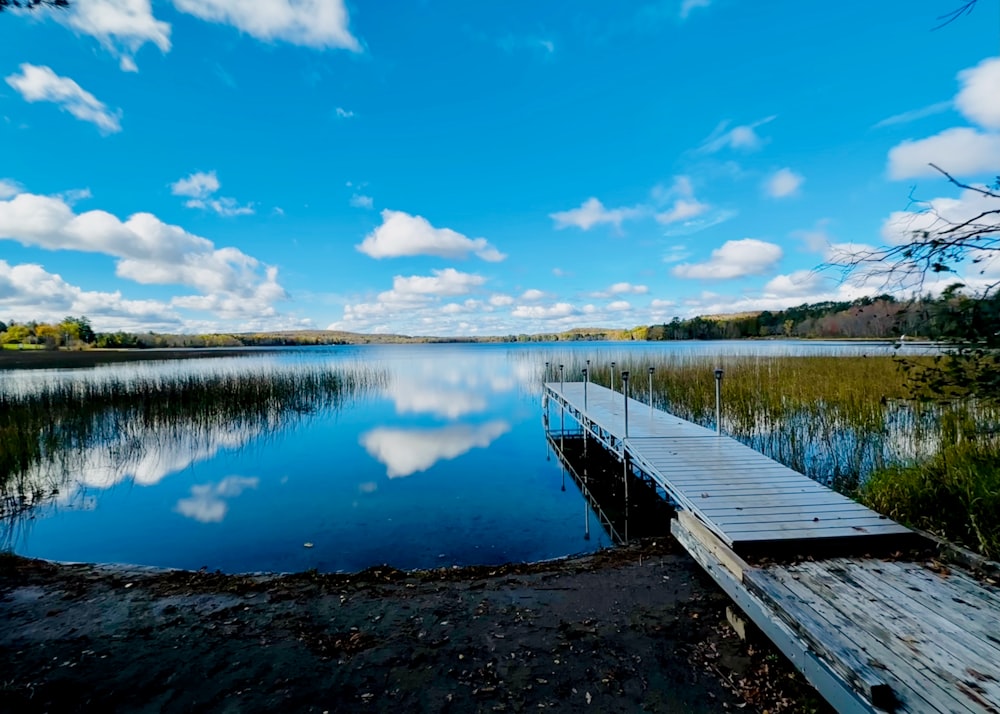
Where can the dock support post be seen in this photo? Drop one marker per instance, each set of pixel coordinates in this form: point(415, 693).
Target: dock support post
point(562, 409)
point(625, 392)
point(718, 400)
point(650, 391)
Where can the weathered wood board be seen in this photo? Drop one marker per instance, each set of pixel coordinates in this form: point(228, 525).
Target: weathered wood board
point(935, 638)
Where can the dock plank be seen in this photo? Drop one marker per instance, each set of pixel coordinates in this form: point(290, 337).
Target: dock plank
point(712, 474)
point(833, 632)
point(912, 637)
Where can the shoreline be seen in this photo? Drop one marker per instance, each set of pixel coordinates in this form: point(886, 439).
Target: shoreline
point(622, 629)
point(70, 359)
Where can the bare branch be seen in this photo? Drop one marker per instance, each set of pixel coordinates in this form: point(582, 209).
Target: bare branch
point(950, 17)
point(967, 187)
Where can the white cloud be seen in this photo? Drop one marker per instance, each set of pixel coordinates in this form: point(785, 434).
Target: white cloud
point(619, 306)
point(540, 312)
point(222, 205)
point(121, 26)
point(979, 98)
point(914, 114)
point(402, 235)
point(742, 138)
point(532, 295)
point(621, 289)
point(30, 291)
point(208, 502)
point(344, 113)
point(960, 151)
point(200, 186)
point(408, 451)
point(592, 213)
point(683, 210)
point(41, 84)
point(903, 226)
point(676, 253)
point(312, 23)
point(147, 251)
point(735, 259)
point(500, 300)
point(444, 282)
point(361, 201)
point(688, 5)
point(685, 205)
point(797, 284)
point(783, 183)
point(9, 189)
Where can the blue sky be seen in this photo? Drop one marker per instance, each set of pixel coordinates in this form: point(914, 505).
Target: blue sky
point(446, 167)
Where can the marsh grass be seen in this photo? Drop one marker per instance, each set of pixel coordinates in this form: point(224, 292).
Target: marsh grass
point(954, 494)
point(46, 425)
point(845, 421)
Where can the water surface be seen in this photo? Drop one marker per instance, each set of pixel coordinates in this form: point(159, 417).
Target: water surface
point(438, 458)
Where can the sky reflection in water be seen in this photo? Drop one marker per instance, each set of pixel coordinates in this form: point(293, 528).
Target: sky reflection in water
point(445, 463)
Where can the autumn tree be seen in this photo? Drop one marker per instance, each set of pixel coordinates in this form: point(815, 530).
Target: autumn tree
point(962, 255)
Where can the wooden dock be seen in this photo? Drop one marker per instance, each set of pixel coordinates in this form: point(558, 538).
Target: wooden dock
point(745, 498)
point(870, 633)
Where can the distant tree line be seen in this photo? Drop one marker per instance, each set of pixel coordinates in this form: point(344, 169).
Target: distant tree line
point(72, 331)
point(954, 317)
point(881, 317)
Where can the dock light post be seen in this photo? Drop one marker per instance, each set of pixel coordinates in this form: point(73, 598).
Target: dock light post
point(625, 392)
point(562, 410)
point(718, 400)
point(650, 391)
point(612, 376)
point(585, 380)
point(546, 370)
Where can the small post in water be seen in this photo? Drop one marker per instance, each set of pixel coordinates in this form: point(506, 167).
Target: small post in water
point(625, 392)
point(718, 400)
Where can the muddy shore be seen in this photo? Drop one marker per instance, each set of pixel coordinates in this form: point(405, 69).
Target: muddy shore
point(639, 628)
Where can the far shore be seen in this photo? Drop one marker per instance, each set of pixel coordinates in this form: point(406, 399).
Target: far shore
point(56, 359)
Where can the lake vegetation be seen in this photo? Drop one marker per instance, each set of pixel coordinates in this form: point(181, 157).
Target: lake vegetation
point(858, 422)
point(853, 422)
point(48, 423)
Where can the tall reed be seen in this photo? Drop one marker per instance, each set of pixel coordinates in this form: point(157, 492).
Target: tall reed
point(49, 420)
point(843, 420)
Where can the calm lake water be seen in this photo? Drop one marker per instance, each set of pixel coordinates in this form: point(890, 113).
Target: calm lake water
point(441, 459)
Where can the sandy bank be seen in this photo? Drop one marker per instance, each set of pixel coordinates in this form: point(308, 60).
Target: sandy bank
point(632, 629)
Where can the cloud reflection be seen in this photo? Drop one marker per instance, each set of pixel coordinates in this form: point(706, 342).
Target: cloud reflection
point(417, 398)
point(140, 454)
point(208, 502)
point(407, 451)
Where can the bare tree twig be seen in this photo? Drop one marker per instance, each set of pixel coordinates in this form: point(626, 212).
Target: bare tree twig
point(950, 17)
